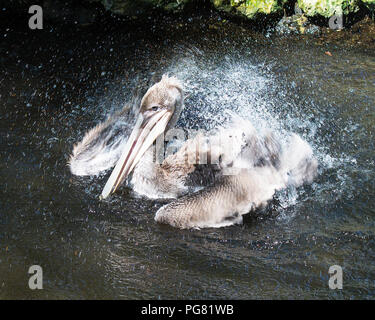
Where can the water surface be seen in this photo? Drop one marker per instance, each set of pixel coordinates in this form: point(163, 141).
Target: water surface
point(57, 83)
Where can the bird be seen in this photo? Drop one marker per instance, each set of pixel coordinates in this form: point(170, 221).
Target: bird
point(213, 179)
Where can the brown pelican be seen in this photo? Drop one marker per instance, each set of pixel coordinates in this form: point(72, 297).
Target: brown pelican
point(243, 170)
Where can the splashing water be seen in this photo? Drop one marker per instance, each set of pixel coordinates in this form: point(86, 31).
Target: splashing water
point(236, 84)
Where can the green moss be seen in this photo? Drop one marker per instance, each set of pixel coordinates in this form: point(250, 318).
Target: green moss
point(248, 8)
point(328, 8)
point(222, 5)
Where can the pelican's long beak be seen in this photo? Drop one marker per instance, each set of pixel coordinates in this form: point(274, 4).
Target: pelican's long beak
point(142, 137)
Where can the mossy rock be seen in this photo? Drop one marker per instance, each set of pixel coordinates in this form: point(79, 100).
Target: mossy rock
point(329, 8)
point(296, 24)
point(369, 4)
point(249, 8)
point(137, 7)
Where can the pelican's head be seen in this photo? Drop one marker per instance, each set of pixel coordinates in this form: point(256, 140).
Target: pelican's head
point(160, 108)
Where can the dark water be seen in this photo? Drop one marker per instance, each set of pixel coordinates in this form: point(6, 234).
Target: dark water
point(57, 83)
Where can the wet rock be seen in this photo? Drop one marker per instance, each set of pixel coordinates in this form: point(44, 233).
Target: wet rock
point(328, 8)
point(361, 34)
point(134, 7)
point(249, 9)
point(296, 24)
point(370, 5)
point(85, 11)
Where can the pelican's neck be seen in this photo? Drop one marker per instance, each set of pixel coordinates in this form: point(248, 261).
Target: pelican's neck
point(150, 179)
point(146, 169)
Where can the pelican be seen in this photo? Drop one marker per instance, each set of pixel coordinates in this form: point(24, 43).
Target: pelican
point(243, 168)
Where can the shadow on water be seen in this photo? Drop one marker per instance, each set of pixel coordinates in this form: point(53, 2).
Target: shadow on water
point(59, 82)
